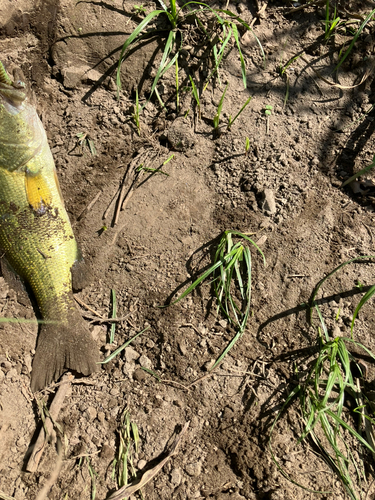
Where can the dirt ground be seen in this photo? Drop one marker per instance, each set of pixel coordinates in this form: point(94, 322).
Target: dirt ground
point(286, 192)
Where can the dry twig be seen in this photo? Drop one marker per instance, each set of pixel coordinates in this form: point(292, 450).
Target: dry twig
point(54, 410)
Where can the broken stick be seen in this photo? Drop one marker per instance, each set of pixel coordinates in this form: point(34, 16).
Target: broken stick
point(54, 410)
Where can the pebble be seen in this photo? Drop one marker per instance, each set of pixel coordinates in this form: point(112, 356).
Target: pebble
point(139, 375)
point(176, 477)
point(269, 204)
point(141, 464)
point(12, 374)
point(194, 469)
point(131, 354)
point(91, 413)
point(145, 361)
point(101, 416)
point(106, 452)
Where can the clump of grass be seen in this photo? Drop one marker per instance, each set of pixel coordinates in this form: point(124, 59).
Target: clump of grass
point(84, 141)
point(128, 446)
point(216, 40)
point(230, 273)
point(322, 393)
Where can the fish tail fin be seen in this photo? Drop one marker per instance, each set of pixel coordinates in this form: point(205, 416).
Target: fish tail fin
point(62, 347)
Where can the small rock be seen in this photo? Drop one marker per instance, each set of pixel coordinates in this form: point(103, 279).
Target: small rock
point(268, 204)
point(6, 365)
point(194, 469)
point(106, 452)
point(114, 391)
point(145, 361)
point(176, 477)
point(131, 354)
point(139, 375)
point(91, 413)
point(142, 464)
point(21, 442)
point(27, 362)
point(128, 369)
point(101, 416)
point(12, 374)
point(180, 135)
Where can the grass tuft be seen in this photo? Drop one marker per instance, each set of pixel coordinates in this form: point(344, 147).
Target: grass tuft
point(230, 273)
point(321, 394)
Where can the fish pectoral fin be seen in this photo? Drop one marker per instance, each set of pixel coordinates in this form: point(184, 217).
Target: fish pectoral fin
point(37, 191)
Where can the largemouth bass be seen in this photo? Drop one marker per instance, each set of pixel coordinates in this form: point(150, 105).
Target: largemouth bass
point(37, 238)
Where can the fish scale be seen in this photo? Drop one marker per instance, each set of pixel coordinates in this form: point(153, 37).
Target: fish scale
point(38, 240)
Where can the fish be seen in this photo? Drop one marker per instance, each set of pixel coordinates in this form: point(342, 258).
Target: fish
point(37, 239)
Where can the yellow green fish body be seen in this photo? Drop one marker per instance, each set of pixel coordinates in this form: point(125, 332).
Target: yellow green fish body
point(37, 239)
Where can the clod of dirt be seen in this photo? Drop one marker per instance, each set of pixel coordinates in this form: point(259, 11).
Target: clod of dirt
point(180, 135)
point(268, 203)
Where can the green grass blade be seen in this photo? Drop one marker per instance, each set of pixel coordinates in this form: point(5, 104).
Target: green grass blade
point(359, 31)
point(122, 347)
point(163, 66)
point(361, 172)
point(352, 431)
point(362, 302)
point(244, 23)
point(243, 65)
point(218, 57)
point(319, 285)
point(198, 281)
point(238, 114)
point(132, 37)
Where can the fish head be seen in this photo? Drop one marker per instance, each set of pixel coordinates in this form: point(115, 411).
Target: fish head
point(21, 131)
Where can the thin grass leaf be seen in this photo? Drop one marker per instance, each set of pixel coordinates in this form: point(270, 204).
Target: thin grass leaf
point(243, 65)
point(362, 302)
point(130, 40)
point(122, 347)
point(197, 282)
point(244, 23)
point(360, 29)
point(147, 370)
point(238, 114)
point(164, 65)
point(218, 57)
point(219, 109)
point(361, 172)
point(352, 431)
point(319, 285)
point(196, 96)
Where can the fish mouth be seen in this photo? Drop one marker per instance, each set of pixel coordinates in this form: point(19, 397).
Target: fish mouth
point(11, 96)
